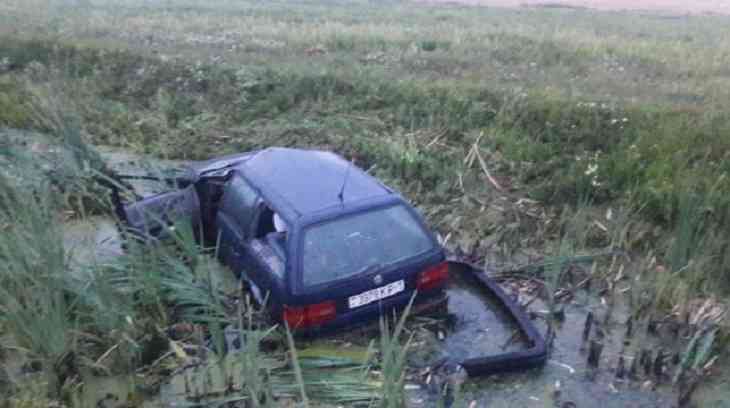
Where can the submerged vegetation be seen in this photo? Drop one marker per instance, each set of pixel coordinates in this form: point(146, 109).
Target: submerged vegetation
point(525, 136)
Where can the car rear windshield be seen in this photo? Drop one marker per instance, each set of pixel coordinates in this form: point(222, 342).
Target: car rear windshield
point(361, 243)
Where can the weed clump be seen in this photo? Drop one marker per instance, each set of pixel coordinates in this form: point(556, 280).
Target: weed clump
point(13, 105)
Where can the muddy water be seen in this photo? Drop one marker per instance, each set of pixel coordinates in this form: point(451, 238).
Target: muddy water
point(479, 326)
point(715, 393)
point(568, 371)
point(96, 238)
point(116, 391)
point(565, 379)
point(91, 240)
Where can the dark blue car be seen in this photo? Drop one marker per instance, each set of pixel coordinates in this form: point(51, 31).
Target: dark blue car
point(319, 241)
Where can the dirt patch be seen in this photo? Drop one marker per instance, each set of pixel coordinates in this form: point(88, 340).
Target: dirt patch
point(658, 6)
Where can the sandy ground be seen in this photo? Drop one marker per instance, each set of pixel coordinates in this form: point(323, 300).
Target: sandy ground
point(661, 6)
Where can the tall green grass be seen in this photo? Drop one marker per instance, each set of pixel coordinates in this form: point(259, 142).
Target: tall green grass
point(114, 316)
point(651, 153)
point(33, 280)
point(393, 358)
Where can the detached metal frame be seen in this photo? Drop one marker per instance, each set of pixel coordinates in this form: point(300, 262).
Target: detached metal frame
point(534, 356)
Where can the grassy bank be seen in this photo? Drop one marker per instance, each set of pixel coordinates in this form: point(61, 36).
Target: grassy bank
point(656, 160)
point(514, 131)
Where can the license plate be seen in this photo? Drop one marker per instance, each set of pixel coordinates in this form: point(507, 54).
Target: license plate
point(376, 294)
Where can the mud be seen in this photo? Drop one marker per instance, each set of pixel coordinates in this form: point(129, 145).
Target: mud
point(674, 7)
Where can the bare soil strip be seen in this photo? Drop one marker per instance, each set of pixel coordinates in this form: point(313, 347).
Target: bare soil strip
point(657, 6)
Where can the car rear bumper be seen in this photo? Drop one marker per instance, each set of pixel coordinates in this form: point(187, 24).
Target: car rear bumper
point(535, 355)
point(369, 315)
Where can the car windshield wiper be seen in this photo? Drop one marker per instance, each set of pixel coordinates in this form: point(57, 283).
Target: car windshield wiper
point(368, 268)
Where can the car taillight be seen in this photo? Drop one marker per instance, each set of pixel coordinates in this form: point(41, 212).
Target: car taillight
point(312, 315)
point(433, 277)
point(294, 316)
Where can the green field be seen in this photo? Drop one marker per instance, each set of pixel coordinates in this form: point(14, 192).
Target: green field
point(520, 133)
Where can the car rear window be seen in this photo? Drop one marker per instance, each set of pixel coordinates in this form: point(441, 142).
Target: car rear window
point(361, 243)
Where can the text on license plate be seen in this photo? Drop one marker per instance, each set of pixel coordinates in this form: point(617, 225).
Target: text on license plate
point(376, 294)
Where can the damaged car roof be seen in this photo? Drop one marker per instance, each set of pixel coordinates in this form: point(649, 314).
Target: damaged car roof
point(305, 181)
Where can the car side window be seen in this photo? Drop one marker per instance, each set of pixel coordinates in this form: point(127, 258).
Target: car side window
point(239, 203)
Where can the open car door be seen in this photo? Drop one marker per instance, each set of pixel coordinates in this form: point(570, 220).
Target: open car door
point(152, 216)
